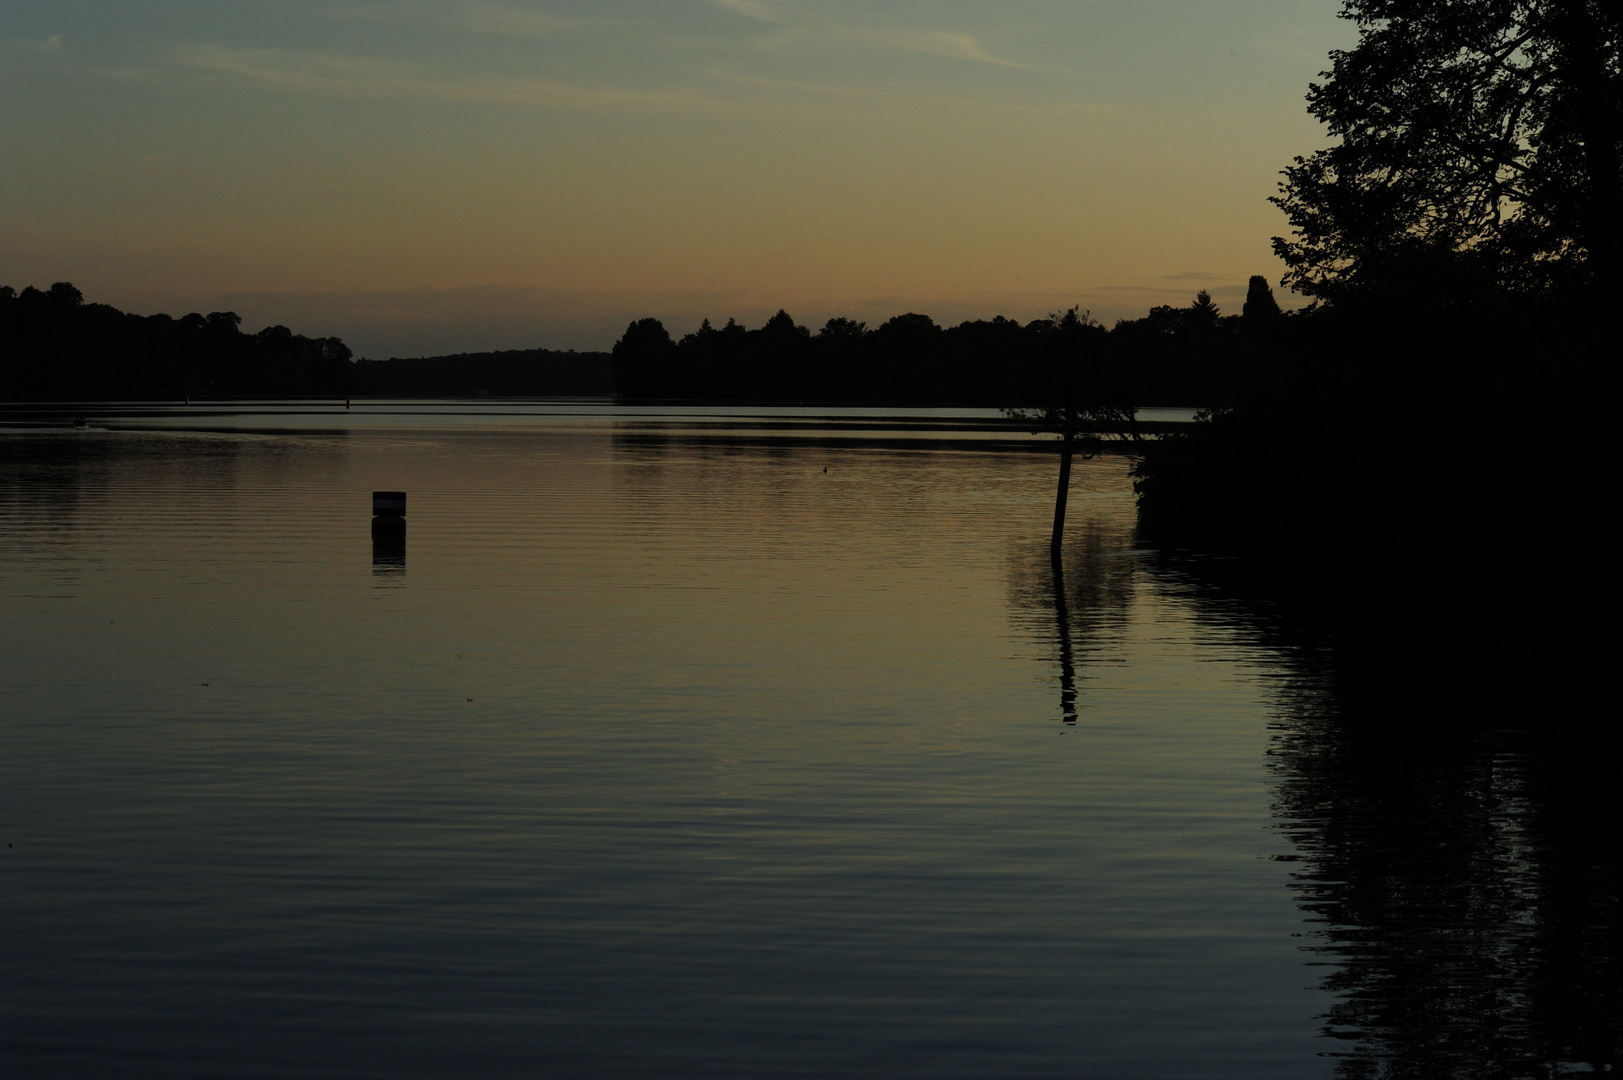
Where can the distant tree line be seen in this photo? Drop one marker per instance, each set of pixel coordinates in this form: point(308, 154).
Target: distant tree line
point(56, 347)
point(510, 373)
point(1193, 356)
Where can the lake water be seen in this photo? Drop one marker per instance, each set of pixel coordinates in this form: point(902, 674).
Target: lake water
point(729, 743)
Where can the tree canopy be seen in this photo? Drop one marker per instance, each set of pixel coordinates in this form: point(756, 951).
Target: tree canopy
point(1191, 355)
point(1077, 387)
point(1485, 135)
point(55, 346)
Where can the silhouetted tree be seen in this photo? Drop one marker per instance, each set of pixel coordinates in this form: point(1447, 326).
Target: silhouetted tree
point(642, 360)
point(1166, 319)
point(779, 352)
point(841, 328)
point(840, 355)
point(907, 351)
point(54, 345)
point(1261, 309)
point(1478, 137)
point(1203, 314)
point(1081, 394)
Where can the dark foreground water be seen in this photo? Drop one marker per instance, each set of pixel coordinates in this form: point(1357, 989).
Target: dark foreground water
point(715, 746)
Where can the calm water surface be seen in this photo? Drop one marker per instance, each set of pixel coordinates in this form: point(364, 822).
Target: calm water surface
point(664, 745)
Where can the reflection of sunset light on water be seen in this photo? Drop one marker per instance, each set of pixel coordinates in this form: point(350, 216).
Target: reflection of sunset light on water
point(680, 735)
point(656, 724)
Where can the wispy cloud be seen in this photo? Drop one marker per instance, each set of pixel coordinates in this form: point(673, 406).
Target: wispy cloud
point(378, 78)
point(378, 11)
point(806, 90)
point(478, 16)
point(1193, 275)
point(52, 44)
point(352, 76)
point(750, 9)
point(929, 42)
point(517, 22)
point(955, 46)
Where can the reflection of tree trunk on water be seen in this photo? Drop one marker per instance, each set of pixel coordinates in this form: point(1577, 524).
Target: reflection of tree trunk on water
point(1062, 619)
point(1062, 616)
point(1075, 601)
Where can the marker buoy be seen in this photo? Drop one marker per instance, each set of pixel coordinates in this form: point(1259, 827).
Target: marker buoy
point(388, 511)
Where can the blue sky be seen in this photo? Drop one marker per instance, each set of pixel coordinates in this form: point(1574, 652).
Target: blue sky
point(421, 176)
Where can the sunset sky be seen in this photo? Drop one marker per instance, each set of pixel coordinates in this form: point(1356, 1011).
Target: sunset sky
point(425, 177)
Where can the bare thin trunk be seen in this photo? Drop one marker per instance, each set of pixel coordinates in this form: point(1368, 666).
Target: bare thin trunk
point(1066, 446)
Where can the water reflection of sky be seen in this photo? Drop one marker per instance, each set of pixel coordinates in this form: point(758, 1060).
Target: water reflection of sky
point(675, 755)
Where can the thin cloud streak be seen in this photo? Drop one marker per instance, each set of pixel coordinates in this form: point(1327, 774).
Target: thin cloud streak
point(368, 77)
point(52, 44)
point(944, 43)
point(518, 22)
point(749, 9)
point(871, 94)
point(349, 76)
point(931, 43)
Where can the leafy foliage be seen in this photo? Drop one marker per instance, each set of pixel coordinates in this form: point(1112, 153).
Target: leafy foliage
point(1483, 138)
point(1080, 393)
point(1175, 356)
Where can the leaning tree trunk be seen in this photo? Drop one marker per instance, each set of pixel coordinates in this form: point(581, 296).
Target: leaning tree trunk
point(1066, 446)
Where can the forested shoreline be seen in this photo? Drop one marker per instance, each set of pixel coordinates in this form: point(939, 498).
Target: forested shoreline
point(508, 373)
point(56, 347)
point(1422, 472)
point(1179, 356)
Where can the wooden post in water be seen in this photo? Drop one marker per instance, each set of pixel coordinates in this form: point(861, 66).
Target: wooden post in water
point(388, 511)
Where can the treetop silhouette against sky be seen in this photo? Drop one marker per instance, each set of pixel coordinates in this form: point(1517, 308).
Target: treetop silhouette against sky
point(1482, 132)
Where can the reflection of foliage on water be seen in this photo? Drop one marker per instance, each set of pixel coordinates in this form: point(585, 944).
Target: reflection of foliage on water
point(1468, 898)
point(1081, 603)
point(1459, 854)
